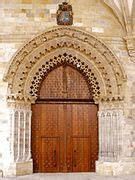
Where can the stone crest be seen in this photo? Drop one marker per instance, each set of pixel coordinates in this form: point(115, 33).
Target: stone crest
point(65, 14)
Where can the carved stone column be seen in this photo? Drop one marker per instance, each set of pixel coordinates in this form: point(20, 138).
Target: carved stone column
point(20, 161)
point(110, 133)
point(112, 141)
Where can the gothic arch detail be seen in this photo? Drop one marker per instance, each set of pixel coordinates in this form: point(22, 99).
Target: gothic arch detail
point(83, 50)
point(65, 82)
point(59, 60)
point(100, 68)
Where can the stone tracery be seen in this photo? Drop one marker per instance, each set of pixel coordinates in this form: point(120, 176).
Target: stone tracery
point(69, 39)
point(69, 59)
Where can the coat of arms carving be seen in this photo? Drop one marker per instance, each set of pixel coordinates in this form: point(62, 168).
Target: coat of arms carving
point(65, 14)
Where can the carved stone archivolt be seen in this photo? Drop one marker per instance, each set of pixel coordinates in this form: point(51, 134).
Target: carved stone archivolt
point(65, 44)
point(93, 59)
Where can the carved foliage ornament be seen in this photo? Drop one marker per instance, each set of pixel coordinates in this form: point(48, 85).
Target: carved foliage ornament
point(65, 14)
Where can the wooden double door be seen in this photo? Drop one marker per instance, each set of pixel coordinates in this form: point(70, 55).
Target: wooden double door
point(64, 137)
point(64, 123)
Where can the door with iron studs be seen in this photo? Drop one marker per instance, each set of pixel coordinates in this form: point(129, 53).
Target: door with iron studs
point(64, 123)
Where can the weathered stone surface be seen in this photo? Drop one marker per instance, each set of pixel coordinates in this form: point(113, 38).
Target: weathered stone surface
point(21, 20)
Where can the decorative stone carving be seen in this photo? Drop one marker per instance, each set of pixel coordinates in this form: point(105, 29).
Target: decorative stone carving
point(38, 57)
point(66, 38)
point(60, 59)
point(130, 40)
point(111, 135)
point(21, 135)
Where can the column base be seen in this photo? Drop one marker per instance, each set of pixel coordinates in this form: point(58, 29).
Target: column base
point(19, 168)
point(115, 168)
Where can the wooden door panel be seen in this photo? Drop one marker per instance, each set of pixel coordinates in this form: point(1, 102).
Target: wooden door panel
point(36, 137)
point(86, 119)
point(49, 120)
point(80, 154)
point(68, 138)
point(62, 154)
point(50, 154)
point(36, 155)
point(86, 155)
point(64, 132)
point(94, 135)
point(64, 137)
point(77, 87)
point(77, 120)
point(69, 155)
point(65, 82)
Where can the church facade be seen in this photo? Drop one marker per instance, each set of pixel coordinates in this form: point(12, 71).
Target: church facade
point(67, 87)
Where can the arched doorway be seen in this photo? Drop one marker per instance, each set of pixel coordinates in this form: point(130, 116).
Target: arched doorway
point(64, 123)
point(104, 81)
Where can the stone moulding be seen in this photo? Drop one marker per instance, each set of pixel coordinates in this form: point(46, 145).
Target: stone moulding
point(38, 51)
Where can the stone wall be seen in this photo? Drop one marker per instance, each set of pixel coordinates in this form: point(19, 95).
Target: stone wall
point(31, 16)
point(20, 20)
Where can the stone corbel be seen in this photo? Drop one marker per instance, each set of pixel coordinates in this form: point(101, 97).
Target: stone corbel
point(130, 42)
point(19, 101)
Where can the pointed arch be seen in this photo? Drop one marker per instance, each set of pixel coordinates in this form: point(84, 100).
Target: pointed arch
point(83, 50)
point(65, 81)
